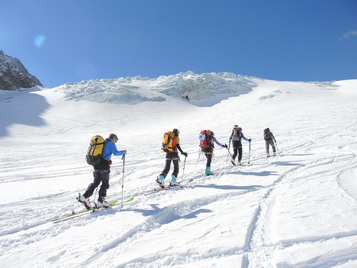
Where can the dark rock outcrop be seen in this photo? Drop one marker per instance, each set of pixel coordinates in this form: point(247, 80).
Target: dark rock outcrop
point(13, 74)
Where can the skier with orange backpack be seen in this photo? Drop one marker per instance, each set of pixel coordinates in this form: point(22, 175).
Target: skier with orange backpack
point(207, 141)
point(170, 145)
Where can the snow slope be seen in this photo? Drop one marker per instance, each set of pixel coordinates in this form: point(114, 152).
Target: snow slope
point(297, 209)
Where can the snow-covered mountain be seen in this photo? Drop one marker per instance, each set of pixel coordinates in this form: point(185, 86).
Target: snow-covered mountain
point(294, 210)
point(188, 86)
point(14, 75)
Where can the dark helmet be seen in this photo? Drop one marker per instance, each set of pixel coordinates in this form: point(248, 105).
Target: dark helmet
point(176, 132)
point(235, 126)
point(112, 136)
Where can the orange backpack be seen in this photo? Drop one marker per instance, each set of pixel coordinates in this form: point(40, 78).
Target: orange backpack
point(167, 140)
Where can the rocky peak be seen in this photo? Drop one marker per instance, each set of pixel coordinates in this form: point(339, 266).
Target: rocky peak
point(14, 75)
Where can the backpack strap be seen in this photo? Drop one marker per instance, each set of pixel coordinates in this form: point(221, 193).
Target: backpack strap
point(105, 142)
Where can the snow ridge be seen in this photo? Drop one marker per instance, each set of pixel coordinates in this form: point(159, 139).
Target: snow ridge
point(187, 86)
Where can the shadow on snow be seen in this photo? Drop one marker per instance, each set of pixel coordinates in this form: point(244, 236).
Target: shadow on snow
point(21, 107)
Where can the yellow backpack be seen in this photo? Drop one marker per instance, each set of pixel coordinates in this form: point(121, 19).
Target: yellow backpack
point(95, 150)
point(167, 142)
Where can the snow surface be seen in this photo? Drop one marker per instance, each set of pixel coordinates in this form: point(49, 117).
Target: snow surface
point(297, 209)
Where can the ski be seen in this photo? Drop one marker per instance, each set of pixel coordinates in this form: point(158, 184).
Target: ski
point(88, 211)
point(160, 189)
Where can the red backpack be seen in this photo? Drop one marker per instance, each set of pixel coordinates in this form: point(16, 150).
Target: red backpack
point(206, 138)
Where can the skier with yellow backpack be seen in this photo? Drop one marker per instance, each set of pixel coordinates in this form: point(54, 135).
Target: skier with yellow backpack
point(171, 146)
point(99, 156)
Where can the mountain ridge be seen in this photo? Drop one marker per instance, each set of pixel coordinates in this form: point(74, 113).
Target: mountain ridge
point(14, 75)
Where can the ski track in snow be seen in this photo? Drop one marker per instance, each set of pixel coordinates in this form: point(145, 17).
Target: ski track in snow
point(159, 217)
point(260, 249)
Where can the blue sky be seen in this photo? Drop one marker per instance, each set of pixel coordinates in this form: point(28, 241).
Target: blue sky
point(73, 40)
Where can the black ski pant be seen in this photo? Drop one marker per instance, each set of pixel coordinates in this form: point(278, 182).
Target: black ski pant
point(237, 150)
point(208, 153)
point(267, 143)
point(175, 159)
point(100, 176)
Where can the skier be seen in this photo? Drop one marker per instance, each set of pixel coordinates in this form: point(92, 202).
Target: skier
point(101, 173)
point(269, 140)
point(207, 140)
point(236, 139)
point(171, 155)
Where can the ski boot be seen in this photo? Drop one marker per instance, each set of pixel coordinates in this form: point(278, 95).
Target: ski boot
point(208, 171)
point(85, 201)
point(160, 180)
point(173, 181)
point(102, 202)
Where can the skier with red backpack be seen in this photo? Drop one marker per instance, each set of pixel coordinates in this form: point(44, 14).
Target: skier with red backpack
point(236, 139)
point(170, 145)
point(207, 141)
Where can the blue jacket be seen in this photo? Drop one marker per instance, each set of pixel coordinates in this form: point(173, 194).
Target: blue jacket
point(110, 148)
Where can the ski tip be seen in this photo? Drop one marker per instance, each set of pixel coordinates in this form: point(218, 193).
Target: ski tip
point(117, 201)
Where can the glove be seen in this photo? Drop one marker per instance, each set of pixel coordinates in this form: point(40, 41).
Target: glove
point(110, 162)
point(225, 146)
point(250, 140)
point(185, 154)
